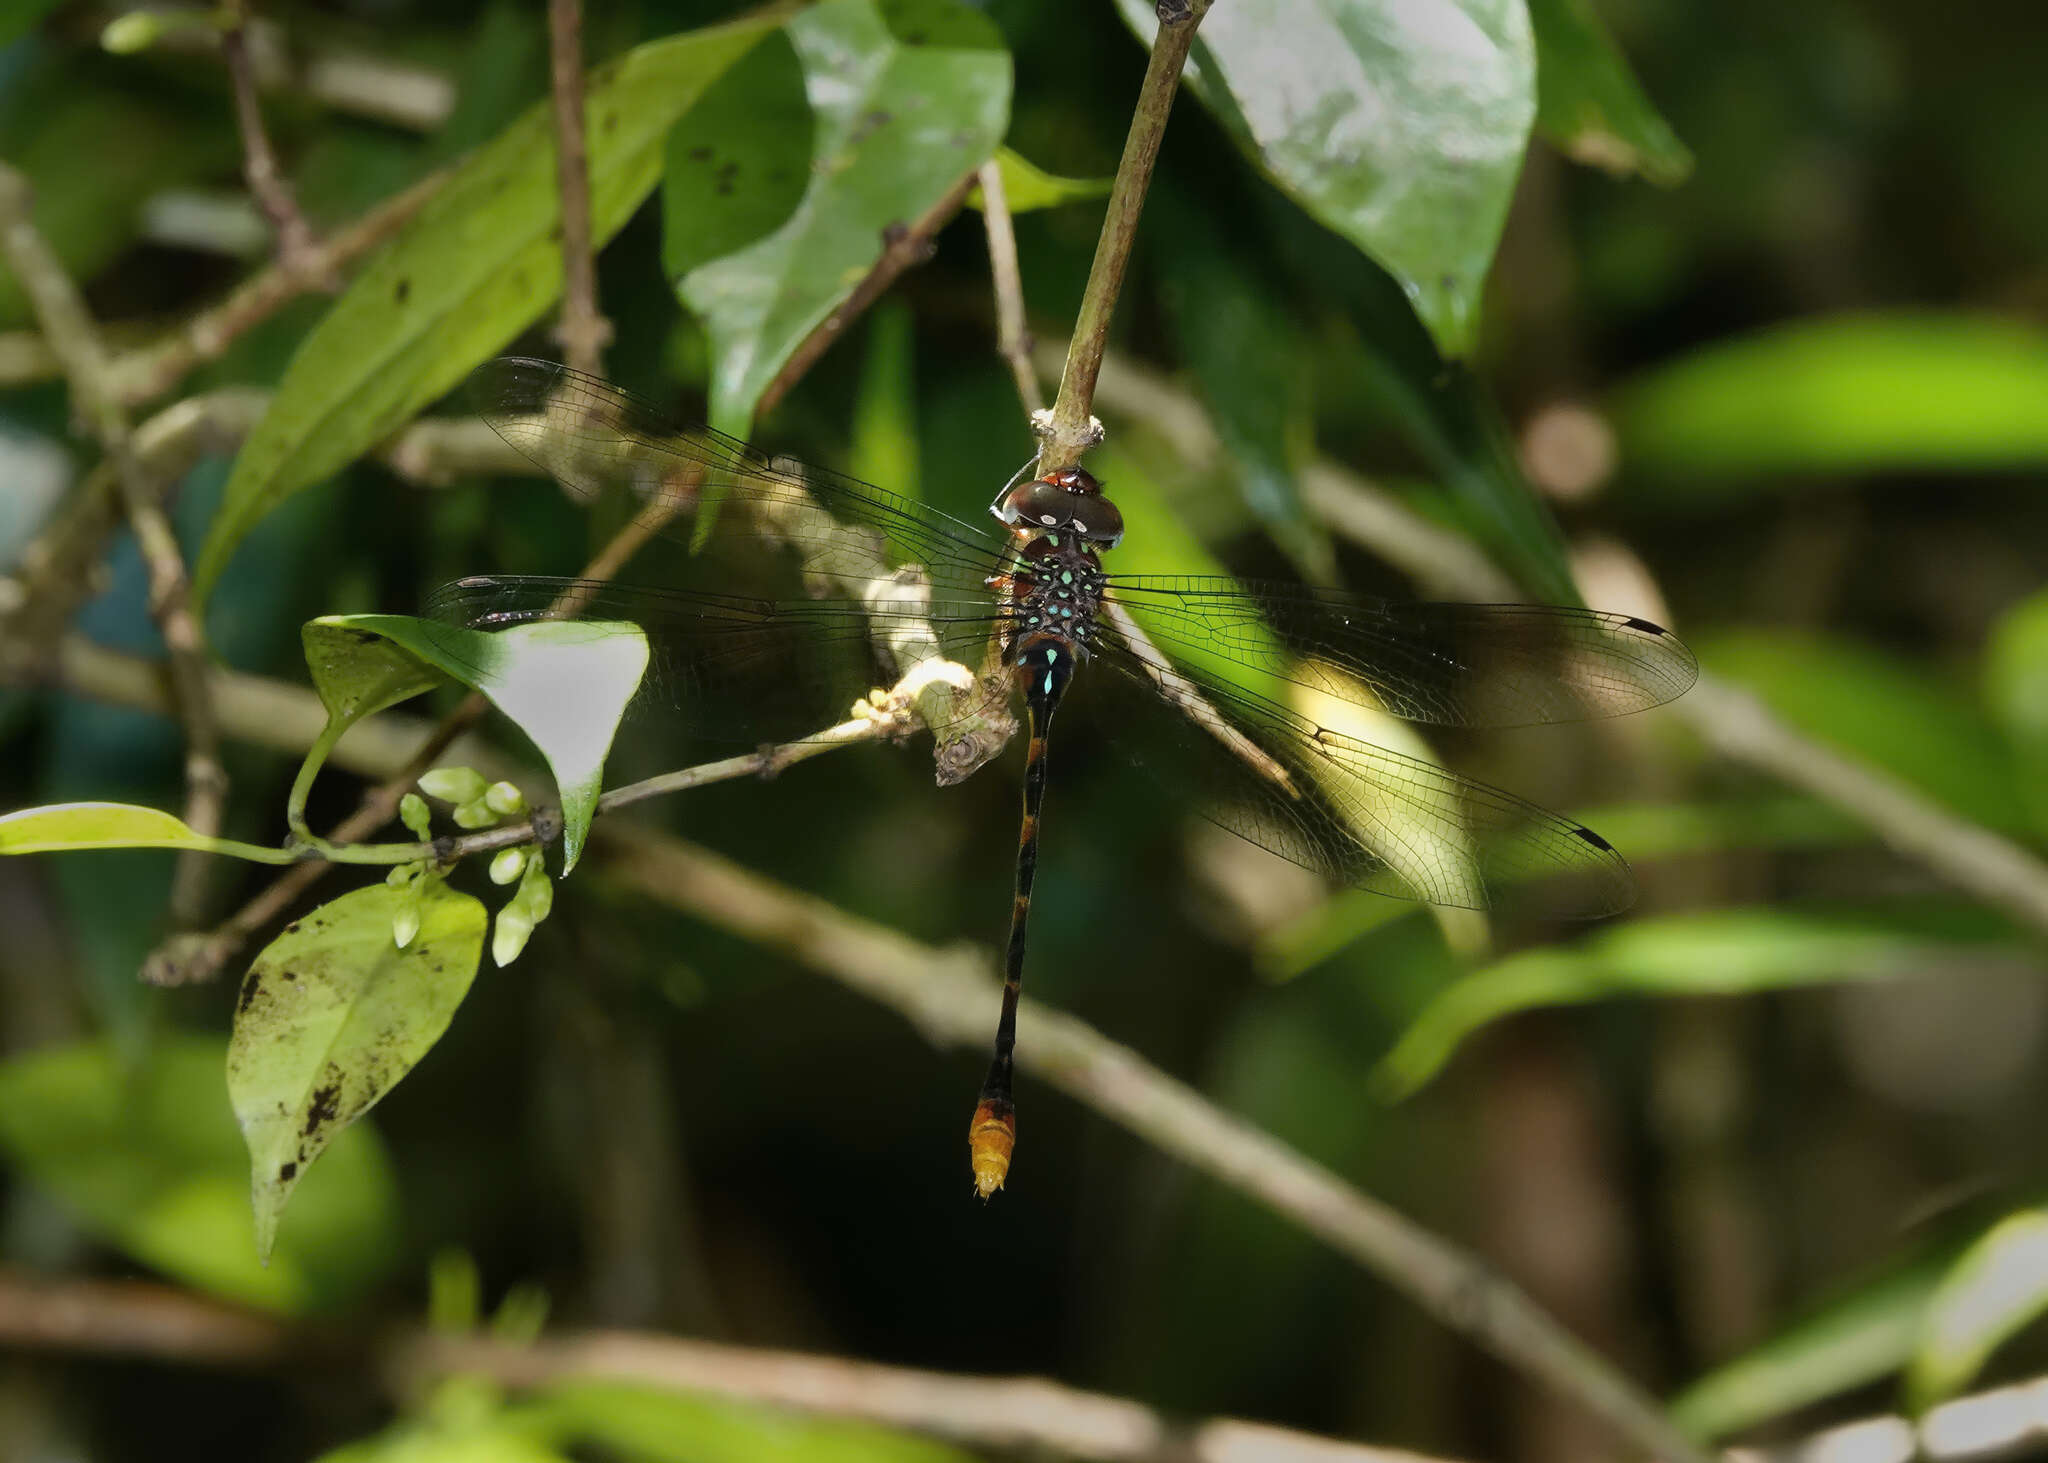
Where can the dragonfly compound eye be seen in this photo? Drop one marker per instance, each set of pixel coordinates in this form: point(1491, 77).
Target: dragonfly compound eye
point(1052, 506)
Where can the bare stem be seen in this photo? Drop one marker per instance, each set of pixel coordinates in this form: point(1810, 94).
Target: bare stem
point(75, 338)
point(1013, 338)
point(583, 331)
point(1071, 432)
point(296, 250)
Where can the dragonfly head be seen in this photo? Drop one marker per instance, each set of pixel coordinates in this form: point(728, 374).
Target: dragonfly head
point(1067, 500)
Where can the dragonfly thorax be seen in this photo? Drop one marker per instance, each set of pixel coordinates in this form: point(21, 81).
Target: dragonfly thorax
point(1055, 591)
point(1068, 500)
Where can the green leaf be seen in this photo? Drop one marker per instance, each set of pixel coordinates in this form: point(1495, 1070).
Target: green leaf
point(1028, 187)
point(565, 683)
point(478, 265)
point(1864, 1334)
point(1588, 102)
point(147, 1157)
point(331, 1016)
point(906, 98)
point(1398, 124)
point(1847, 393)
point(69, 827)
point(1884, 710)
point(2016, 690)
point(1720, 952)
point(1997, 1288)
point(649, 1426)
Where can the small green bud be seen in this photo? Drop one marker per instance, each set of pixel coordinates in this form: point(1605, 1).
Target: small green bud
point(454, 784)
point(536, 891)
point(509, 864)
point(505, 800)
point(406, 923)
point(475, 814)
point(413, 810)
point(509, 935)
point(402, 875)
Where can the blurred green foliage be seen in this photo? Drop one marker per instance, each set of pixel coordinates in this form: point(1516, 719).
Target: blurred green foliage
point(1800, 381)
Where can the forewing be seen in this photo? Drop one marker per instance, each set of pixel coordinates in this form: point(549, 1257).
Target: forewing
point(734, 668)
point(1444, 664)
point(592, 437)
point(1358, 813)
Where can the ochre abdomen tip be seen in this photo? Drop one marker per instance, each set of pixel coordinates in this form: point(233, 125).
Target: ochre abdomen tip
point(991, 1138)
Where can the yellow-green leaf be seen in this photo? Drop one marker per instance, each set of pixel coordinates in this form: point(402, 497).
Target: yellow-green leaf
point(331, 1016)
point(1997, 1288)
point(70, 827)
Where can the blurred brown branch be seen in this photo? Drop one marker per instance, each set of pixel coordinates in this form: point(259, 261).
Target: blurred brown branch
point(1026, 1414)
point(74, 337)
point(297, 251)
point(582, 330)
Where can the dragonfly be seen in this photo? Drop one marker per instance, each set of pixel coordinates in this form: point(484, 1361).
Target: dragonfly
point(1234, 677)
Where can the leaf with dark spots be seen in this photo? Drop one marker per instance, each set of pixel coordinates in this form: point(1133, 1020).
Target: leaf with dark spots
point(402, 291)
point(353, 1016)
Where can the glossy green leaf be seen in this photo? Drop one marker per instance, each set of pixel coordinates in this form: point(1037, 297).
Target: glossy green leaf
point(2016, 690)
point(1028, 187)
point(73, 827)
point(1398, 124)
point(1846, 393)
point(331, 1016)
point(478, 265)
point(644, 1425)
point(1588, 102)
point(1862, 1335)
point(1884, 710)
point(1718, 952)
point(906, 97)
point(738, 163)
point(147, 1157)
point(565, 683)
point(1997, 1288)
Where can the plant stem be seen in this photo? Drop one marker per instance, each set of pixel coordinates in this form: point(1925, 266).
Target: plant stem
point(583, 331)
point(1072, 430)
point(1013, 337)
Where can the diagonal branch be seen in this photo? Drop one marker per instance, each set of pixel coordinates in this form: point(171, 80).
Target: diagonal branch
point(296, 249)
point(582, 331)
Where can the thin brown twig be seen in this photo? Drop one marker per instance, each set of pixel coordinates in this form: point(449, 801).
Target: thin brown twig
point(1013, 336)
point(62, 314)
point(296, 249)
point(1071, 430)
point(902, 247)
point(147, 1321)
point(582, 330)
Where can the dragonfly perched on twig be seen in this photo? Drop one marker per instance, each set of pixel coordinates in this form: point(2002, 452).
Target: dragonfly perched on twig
point(974, 617)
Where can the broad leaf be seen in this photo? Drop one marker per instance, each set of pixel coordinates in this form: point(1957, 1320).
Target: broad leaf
point(1588, 102)
point(147, 1158)
point(1399, 124)
point(70, 827)
point(1028, 187)
point(1854, 393)
point(332, 1015)
point(565, 683)
point(478, 265)
point(906, 98)
point(1722, 952)
point(1997, 1288)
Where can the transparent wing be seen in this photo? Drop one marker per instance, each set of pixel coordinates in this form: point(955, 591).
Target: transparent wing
point(731, 667)
point(1358, 813)
point(592, 436)
point(1444, 664)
